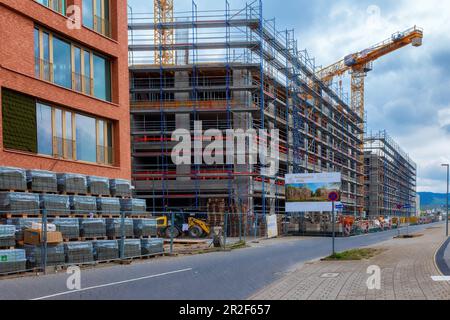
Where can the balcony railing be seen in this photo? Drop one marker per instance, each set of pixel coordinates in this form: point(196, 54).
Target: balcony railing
point(82, 83)
point(43, 69)
point(63, 148)
point(102, 26)
point(105, 155)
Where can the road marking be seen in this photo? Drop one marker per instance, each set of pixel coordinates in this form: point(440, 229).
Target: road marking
point(440, 278)
point(112, 284)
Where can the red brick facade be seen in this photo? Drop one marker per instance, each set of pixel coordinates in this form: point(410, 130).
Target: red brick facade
point(17, 63)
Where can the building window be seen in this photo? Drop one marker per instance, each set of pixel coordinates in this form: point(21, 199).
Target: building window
point(62, 68)
point(86, 138)
point(43, 129)
point(96, 16)
point(57, 5)
point(71, 66)
point(102, 78)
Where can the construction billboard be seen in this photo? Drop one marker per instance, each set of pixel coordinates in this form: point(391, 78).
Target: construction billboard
point(310, 192)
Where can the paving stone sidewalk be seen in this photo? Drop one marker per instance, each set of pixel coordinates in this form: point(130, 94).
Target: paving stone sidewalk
point(407, 266)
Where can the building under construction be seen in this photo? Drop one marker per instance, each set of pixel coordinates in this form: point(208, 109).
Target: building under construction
point(233, 69)
point(390, 178)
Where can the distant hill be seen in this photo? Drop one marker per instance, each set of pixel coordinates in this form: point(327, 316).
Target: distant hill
point(429, 200)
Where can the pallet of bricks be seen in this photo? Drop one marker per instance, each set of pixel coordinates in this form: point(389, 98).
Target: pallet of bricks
point(216, 213)
point(80, 220)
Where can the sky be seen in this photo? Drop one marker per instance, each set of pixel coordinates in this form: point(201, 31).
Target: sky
point(407, 93)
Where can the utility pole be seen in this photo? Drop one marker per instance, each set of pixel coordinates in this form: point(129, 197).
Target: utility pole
point(448, 182)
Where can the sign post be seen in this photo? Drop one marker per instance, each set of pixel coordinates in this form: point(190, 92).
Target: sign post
point(333, 197)
point(314, 192)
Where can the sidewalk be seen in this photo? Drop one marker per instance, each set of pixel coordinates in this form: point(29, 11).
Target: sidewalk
point(407, 266)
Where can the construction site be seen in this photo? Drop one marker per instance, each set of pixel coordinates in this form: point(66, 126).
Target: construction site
point(390, 177)
point(233, 69)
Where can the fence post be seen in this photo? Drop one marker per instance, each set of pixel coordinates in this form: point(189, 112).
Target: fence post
point(44, 241)
point(240, 225)
point(225, 231)
point(122, 235)
point(172, 226)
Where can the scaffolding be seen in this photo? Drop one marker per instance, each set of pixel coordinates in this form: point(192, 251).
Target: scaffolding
point(235, 69)
point(390, 177)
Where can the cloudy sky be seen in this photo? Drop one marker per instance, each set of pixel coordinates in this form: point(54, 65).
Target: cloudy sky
point(407, 94)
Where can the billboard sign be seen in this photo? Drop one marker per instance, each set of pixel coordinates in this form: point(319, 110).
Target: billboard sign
point(311, 191)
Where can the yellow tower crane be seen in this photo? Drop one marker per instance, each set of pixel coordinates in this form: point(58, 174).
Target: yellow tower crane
point(164, 33)
point(359, 64)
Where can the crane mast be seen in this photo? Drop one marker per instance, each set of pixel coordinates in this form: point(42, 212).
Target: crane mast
point(164, 32)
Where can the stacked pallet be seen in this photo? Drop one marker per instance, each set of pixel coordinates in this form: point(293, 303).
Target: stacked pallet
point(105, 250)
point(145, 228)
point(55, 255)
point(133, 206)
point(7, 236)
point(14, 179)
point(83, 205)
point(72, 183)
point(79, 252)
point(132, 248)
point(152, 246)
point(55, 204)
point(93, 228)
point(108, 206)
point(98, 186)
point(120, 188)
point(12, 261)
point(42, 181)
point(114, 228)
point(19, 202)
point(69, 228)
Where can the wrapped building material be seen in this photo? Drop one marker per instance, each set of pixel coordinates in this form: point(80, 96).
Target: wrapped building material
point(83, 205)
point(114, 227)
point(69, 227)
point(152, 246)
point(19, 202)
point(13, 179)
point(12, 261)
point(98, 186)
point(145, 228)
point(106, 250)
point(132, 248)
point(7, 236)
point(92, 228)
point(55, 204)
point(42, 181)
point(55, 255)
point(72, 183)
point(120, 187)
point(134, 206)
point(21, 224)
point(108, 205)
point(79, 252)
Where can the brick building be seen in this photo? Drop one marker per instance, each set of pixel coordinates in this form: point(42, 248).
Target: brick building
point(64, 89)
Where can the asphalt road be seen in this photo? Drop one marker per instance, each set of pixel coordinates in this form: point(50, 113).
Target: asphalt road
point(219, 276)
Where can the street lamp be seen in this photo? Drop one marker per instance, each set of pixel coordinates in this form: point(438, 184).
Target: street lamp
point(448, 178)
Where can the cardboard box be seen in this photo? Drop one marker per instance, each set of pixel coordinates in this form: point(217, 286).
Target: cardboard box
point(38, 226)
point(35, 237)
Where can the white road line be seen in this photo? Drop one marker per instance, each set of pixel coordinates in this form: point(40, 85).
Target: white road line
point(440, 279)
point(112, 284)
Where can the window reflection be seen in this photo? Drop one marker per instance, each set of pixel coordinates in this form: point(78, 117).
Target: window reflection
point(86, 138)
point(44, 129)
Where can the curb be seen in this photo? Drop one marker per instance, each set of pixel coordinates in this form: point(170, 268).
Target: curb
point(439, 261)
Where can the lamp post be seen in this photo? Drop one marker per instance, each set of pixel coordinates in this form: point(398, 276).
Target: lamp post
point(448, 178)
